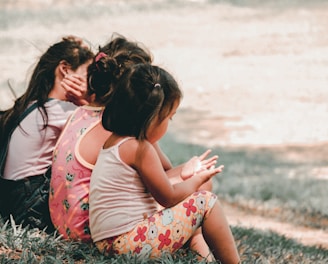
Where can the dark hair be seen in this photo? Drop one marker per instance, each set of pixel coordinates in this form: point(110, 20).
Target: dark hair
point(110, 62)
point(142, 93)
point(71, 50)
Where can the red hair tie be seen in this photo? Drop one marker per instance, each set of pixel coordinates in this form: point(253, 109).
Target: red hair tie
point(99, 56)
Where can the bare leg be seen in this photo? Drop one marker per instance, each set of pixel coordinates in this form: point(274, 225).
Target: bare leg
point(218, 236)
point(199, 245)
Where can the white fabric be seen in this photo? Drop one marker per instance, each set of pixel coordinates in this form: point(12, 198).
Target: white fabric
point(118, 198)
point(31, 146)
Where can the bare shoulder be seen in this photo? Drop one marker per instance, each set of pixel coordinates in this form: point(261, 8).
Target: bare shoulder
point(132, 150)
point(136, 146)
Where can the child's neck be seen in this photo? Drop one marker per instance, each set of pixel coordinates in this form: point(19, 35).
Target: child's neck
point(113, 139)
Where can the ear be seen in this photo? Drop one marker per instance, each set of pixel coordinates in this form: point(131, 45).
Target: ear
point(64, 67)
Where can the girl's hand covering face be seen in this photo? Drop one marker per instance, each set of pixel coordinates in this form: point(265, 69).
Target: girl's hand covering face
point(197, 165)
point(75, 86)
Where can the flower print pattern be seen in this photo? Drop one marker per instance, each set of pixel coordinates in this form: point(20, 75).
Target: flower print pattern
point(197, 220)
point(166, 231)
point(141, 234)
point(201, 202)
point(84, 206)
point(212, 201)
point(82, 130)
point(137, 250)
point(66, 204)
point(177, 231)
point(167, 216)
point(165, 239)
point(120, 242)
point(200, 192)
point(69, 157)
point(145, 251)
point(190, 207)
point(152, 232)
point(178, 244)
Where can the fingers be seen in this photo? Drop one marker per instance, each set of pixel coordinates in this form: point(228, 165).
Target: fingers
point(209, 160)
point(75, 87)
point(70, 91)
point(189, 168)
point(208, 174)
point(208, 163)
point(218, 169)
point(215, 170)
point(75, 78)
point(201, 167)
point(74, 84)
point(204, 155)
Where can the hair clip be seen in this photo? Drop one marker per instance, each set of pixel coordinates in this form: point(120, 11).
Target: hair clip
point(99, 56)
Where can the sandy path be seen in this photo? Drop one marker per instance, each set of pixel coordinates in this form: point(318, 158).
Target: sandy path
point(251, 75)
point(304, 235)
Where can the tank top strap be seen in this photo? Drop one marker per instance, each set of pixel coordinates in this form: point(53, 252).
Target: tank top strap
point(123, 140)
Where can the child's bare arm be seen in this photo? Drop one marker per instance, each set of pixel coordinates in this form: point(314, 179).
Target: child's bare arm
point(155, 178)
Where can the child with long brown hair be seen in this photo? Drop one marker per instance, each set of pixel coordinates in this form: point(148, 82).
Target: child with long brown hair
point(26, 164)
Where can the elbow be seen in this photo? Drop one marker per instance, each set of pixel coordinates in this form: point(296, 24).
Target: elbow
point(166, 202)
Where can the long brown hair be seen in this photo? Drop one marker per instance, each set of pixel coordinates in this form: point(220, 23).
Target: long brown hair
point(69, 49)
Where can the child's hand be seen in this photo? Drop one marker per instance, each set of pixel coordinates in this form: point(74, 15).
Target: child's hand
point(76, 88)
point(198, 164)
point(209, 173)
point(189, 168)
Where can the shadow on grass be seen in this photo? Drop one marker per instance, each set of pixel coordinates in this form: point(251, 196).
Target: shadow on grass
point(288, 182)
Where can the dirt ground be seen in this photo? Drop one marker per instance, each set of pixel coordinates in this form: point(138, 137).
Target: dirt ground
point(305, 235)
point(252, 75)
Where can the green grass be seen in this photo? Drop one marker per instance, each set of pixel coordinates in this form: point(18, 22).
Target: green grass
point(252, 178)
point(20, 245)
point(267, 179)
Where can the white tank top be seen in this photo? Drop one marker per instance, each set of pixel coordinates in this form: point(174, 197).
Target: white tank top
point(118, 198)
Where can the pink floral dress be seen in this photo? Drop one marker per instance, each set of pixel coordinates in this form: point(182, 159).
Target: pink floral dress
point(69, 186)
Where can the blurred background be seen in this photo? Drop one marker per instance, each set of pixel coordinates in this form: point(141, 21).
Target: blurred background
point(254, 73)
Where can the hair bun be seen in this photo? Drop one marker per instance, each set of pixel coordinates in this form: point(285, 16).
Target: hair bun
point(107, 65)
point(102, 73)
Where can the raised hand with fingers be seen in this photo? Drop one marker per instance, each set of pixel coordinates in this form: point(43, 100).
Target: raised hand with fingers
point(76, 88)
point(199, 164)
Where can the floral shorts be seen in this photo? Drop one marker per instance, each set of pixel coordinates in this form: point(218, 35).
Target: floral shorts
point(164, 232)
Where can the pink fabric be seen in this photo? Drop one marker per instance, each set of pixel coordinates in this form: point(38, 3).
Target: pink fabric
point(69, 186)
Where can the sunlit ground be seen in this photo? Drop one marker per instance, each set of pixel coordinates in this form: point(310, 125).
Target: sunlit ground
point(252, 73)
